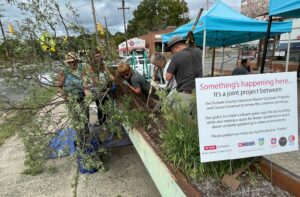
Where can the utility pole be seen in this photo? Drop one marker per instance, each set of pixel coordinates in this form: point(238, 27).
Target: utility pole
point(95, 22)
point(4, 38)
point(107, 38)
point(207, 4)
point(123, 8)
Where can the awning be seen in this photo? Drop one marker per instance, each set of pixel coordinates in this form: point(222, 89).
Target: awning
point(285, 8)
point(225, 26)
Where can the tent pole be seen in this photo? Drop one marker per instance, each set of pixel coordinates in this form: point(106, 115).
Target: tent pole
point(222, 64)
point(162, 47)
point(288, 54)
point(203, 51)
point(266, 45)
point(213, 61)
point(238, 57)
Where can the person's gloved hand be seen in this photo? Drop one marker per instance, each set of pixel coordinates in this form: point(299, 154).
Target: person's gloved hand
point(154, 84)
point(125, 82)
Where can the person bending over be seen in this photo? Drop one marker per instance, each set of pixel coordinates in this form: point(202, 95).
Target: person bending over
point(134, 81)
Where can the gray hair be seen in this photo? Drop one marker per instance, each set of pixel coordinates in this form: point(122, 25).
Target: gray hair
point(158, 57)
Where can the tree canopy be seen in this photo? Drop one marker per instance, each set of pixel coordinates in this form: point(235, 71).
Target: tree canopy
point(153, 15)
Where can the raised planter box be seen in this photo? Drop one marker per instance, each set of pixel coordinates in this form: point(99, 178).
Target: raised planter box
point(168, 181)
point(280, 177)
point(171, 182)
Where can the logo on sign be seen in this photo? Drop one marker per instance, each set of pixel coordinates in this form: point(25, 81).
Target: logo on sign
point(282, 141)
point(261, 141)
point(131, 42)
point(211, 147)
point(291, 139)
point(273, 141)
point(243, 144)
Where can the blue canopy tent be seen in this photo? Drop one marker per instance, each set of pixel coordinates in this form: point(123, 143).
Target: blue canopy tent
point(223, 26)
point(286, 9)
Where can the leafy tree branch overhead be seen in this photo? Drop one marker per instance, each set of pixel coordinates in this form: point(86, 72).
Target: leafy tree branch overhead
point(153, 15)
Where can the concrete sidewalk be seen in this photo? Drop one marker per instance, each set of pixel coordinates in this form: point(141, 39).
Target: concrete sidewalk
point(126, 176)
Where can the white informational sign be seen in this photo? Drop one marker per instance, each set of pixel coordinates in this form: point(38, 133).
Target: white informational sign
point(247, 115)
point(133, 43)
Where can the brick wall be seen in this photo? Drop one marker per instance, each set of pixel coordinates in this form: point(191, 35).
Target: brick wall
point(150, 38)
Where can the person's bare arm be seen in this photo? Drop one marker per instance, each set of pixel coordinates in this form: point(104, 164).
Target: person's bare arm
point(169, 76)
point(85, 77)
point(60, 85)
point(135, 90)
point(94, 76)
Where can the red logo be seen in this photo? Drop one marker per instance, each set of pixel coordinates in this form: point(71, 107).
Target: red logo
point(212, 147)
point(240, 144)
point(291, 138)
point(131, 42)
point(273, 140)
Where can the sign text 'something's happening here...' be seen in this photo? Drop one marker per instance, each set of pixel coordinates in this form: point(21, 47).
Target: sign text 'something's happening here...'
point(246, 116)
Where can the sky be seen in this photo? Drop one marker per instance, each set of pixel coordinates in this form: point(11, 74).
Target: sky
point(108, 9)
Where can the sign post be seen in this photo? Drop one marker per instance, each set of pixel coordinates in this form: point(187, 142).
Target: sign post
point(247, 115)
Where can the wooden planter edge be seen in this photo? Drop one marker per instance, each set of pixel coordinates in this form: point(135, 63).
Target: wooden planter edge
point(169, 181)
point(281, 177)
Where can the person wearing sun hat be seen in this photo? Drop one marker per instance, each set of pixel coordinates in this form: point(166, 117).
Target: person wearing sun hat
point(185, 66)
point(73, 85)
point(74, 79)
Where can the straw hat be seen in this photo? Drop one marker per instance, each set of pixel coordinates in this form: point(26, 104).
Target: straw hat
point(70, 57)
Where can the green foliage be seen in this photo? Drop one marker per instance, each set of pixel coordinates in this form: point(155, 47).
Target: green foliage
point(22, 70)
point(119, 38)
point(25, 123)
point(153, 15)
point(181, 141)
point(7, 130)
point(126, 114)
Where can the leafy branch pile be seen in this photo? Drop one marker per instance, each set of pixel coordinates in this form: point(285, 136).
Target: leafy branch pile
point(27, 60)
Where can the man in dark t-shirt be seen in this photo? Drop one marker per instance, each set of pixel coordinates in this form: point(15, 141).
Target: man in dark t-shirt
point(185, 65)
point(243, 69)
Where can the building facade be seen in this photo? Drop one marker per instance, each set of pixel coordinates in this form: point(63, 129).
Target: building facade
point(152, 43)
point(255, 8)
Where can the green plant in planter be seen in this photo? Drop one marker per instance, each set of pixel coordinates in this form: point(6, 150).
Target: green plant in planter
point(125, 113)
point(180, 141)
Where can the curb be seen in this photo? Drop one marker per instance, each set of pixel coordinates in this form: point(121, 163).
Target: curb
point(281, 177)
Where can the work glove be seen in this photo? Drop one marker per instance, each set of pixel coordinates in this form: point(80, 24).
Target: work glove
point(125, 82)
point(154, 84)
